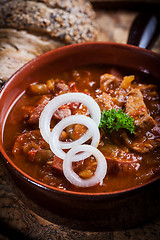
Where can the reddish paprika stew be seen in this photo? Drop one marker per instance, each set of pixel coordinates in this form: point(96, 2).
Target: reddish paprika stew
point(132, 158)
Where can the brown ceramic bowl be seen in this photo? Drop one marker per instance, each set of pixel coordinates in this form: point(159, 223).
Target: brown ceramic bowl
point(110, 210)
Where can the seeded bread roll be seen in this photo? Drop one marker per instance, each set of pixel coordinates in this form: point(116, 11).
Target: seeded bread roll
point(31, 28)
point(66, 25)
point(76, 7)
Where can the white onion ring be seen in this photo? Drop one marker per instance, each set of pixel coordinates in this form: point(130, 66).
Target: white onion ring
point(55, 103)
point(99, 174)
point(93, 132)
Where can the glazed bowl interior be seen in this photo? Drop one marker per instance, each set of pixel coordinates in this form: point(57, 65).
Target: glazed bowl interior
point(66, 58)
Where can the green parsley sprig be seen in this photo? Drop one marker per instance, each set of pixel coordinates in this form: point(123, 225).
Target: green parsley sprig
point(114, 120)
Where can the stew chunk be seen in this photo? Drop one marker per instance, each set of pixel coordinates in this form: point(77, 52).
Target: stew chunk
point(136, 108)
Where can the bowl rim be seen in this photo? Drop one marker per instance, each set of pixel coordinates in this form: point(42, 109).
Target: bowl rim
point(78, 45)
point(42, 185)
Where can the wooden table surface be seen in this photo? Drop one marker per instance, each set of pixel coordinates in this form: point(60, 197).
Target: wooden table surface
point(19, 222)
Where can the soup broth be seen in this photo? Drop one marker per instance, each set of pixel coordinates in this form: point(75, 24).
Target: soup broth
point(132, 158)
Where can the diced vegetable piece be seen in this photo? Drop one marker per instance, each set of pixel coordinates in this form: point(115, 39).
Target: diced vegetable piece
point(127, 80)
point(51, 84)
point(38, 89)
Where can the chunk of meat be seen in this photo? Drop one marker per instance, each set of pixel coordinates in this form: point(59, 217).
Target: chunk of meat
point(119, 97)
point(57, 165)
point(136, 108)
point(28, 141)
point(105, 102)
point(62, 112)
point(121, 160)
point(34, 115)
point(124, 166)
point(61, 86)
point(108, 82)
point(146, 146)
point(40, 155)
point(36, 112)
point(141, 145)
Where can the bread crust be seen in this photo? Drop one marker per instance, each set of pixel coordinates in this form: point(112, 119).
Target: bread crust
point(65, 24)
point(31, 28)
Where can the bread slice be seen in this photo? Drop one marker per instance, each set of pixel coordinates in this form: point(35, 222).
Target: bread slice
point(19, 47)
point(31, 28)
